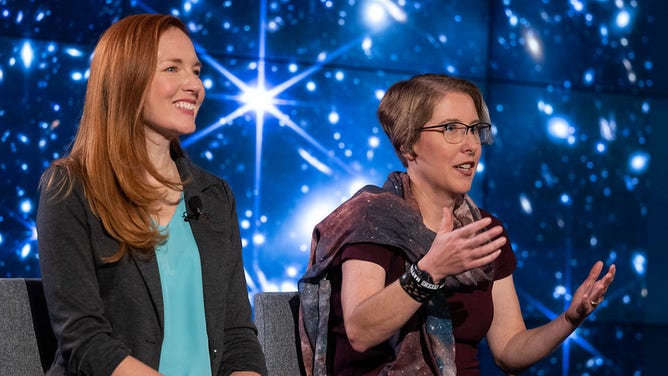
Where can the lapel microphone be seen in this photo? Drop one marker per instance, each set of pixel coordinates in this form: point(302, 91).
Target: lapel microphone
point(194, 211)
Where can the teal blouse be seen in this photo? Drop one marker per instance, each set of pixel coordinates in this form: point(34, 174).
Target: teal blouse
point(185, 345)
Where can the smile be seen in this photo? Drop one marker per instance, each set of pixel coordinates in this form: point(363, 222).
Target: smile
point(185, 105)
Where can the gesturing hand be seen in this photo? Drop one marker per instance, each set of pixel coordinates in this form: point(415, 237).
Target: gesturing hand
point(455, 251)
point(589, 294)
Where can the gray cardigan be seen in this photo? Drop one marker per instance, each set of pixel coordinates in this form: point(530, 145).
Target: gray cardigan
point(102, 313)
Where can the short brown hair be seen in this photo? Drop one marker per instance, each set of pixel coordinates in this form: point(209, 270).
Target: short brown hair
point(408, 105)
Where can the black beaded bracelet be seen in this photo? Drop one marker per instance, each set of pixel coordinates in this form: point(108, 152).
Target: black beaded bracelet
point(418, 284)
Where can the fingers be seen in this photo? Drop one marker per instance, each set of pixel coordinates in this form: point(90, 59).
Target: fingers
point(470, 230)
point(595, 300)
point(610, 276)
point(490, 249)
point(489, 257)
point(474, 227)
point(595, 271)
point(464, 248)
point(607, 279)
point(482, 243)
point(600, 286)
point(447, 225)
point(490, 234)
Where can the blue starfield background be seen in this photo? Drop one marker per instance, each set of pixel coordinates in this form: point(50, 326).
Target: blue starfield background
point(577, 91)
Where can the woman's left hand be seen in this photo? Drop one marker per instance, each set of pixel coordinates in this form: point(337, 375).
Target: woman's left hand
point(590, 294)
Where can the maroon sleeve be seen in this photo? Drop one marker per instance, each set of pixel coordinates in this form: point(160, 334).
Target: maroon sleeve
point(371, 252)
point(387, 257)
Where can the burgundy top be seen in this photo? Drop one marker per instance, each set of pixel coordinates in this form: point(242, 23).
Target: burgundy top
point(469, 329)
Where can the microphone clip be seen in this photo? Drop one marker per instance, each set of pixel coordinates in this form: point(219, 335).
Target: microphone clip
point(195, 213)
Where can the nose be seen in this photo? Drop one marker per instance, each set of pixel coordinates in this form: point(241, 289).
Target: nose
point(193, 84)
point(471, 143)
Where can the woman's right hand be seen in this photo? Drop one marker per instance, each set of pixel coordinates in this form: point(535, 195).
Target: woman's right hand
point(455, 251)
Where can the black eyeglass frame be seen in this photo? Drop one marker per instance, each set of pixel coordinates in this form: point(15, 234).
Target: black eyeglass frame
point(475, 128)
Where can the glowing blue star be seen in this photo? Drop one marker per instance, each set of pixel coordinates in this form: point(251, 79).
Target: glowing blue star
point(27, 54)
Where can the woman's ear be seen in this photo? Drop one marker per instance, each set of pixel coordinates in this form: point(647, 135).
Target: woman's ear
point(408, 153)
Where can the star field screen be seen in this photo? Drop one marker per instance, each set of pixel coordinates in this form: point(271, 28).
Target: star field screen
point(575, 93)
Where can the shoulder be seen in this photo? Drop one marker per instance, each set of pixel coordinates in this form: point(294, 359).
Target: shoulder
point(59, 185)
point(62, 203)
point(369, 211)
point(376, 205)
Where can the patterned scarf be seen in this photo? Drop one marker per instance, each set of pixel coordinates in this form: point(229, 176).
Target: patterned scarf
point(387, 216)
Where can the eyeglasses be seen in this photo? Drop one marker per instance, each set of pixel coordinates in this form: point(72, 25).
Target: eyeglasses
point(455, 131)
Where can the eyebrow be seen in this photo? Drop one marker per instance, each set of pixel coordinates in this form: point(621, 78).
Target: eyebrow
point(180, 61)
point(453, 120)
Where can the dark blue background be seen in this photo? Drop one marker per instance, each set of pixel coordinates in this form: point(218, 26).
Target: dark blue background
point(577, 96)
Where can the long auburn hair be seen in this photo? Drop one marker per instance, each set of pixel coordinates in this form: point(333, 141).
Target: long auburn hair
point(109, 153)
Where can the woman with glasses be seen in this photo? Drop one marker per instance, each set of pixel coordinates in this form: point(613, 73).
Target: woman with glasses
point(408, 278)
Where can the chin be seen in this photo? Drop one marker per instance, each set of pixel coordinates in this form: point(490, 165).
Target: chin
point(465, 190)
point(187, 131)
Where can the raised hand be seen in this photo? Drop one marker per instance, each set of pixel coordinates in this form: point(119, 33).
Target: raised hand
point(455, 251)
point(590, 293)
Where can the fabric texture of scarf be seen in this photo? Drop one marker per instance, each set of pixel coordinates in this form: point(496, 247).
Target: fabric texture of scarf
point(387, 216)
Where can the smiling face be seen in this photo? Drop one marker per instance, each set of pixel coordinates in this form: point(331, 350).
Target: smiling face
point(440, 169)
point(176, 92)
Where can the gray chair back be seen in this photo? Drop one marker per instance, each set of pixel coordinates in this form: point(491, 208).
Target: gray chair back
point(27, 344)
point(276, 316)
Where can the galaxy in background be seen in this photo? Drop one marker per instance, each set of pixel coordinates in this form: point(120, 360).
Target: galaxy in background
point(289, 121)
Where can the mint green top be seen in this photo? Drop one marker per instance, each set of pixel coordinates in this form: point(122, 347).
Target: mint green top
point(185, 345)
